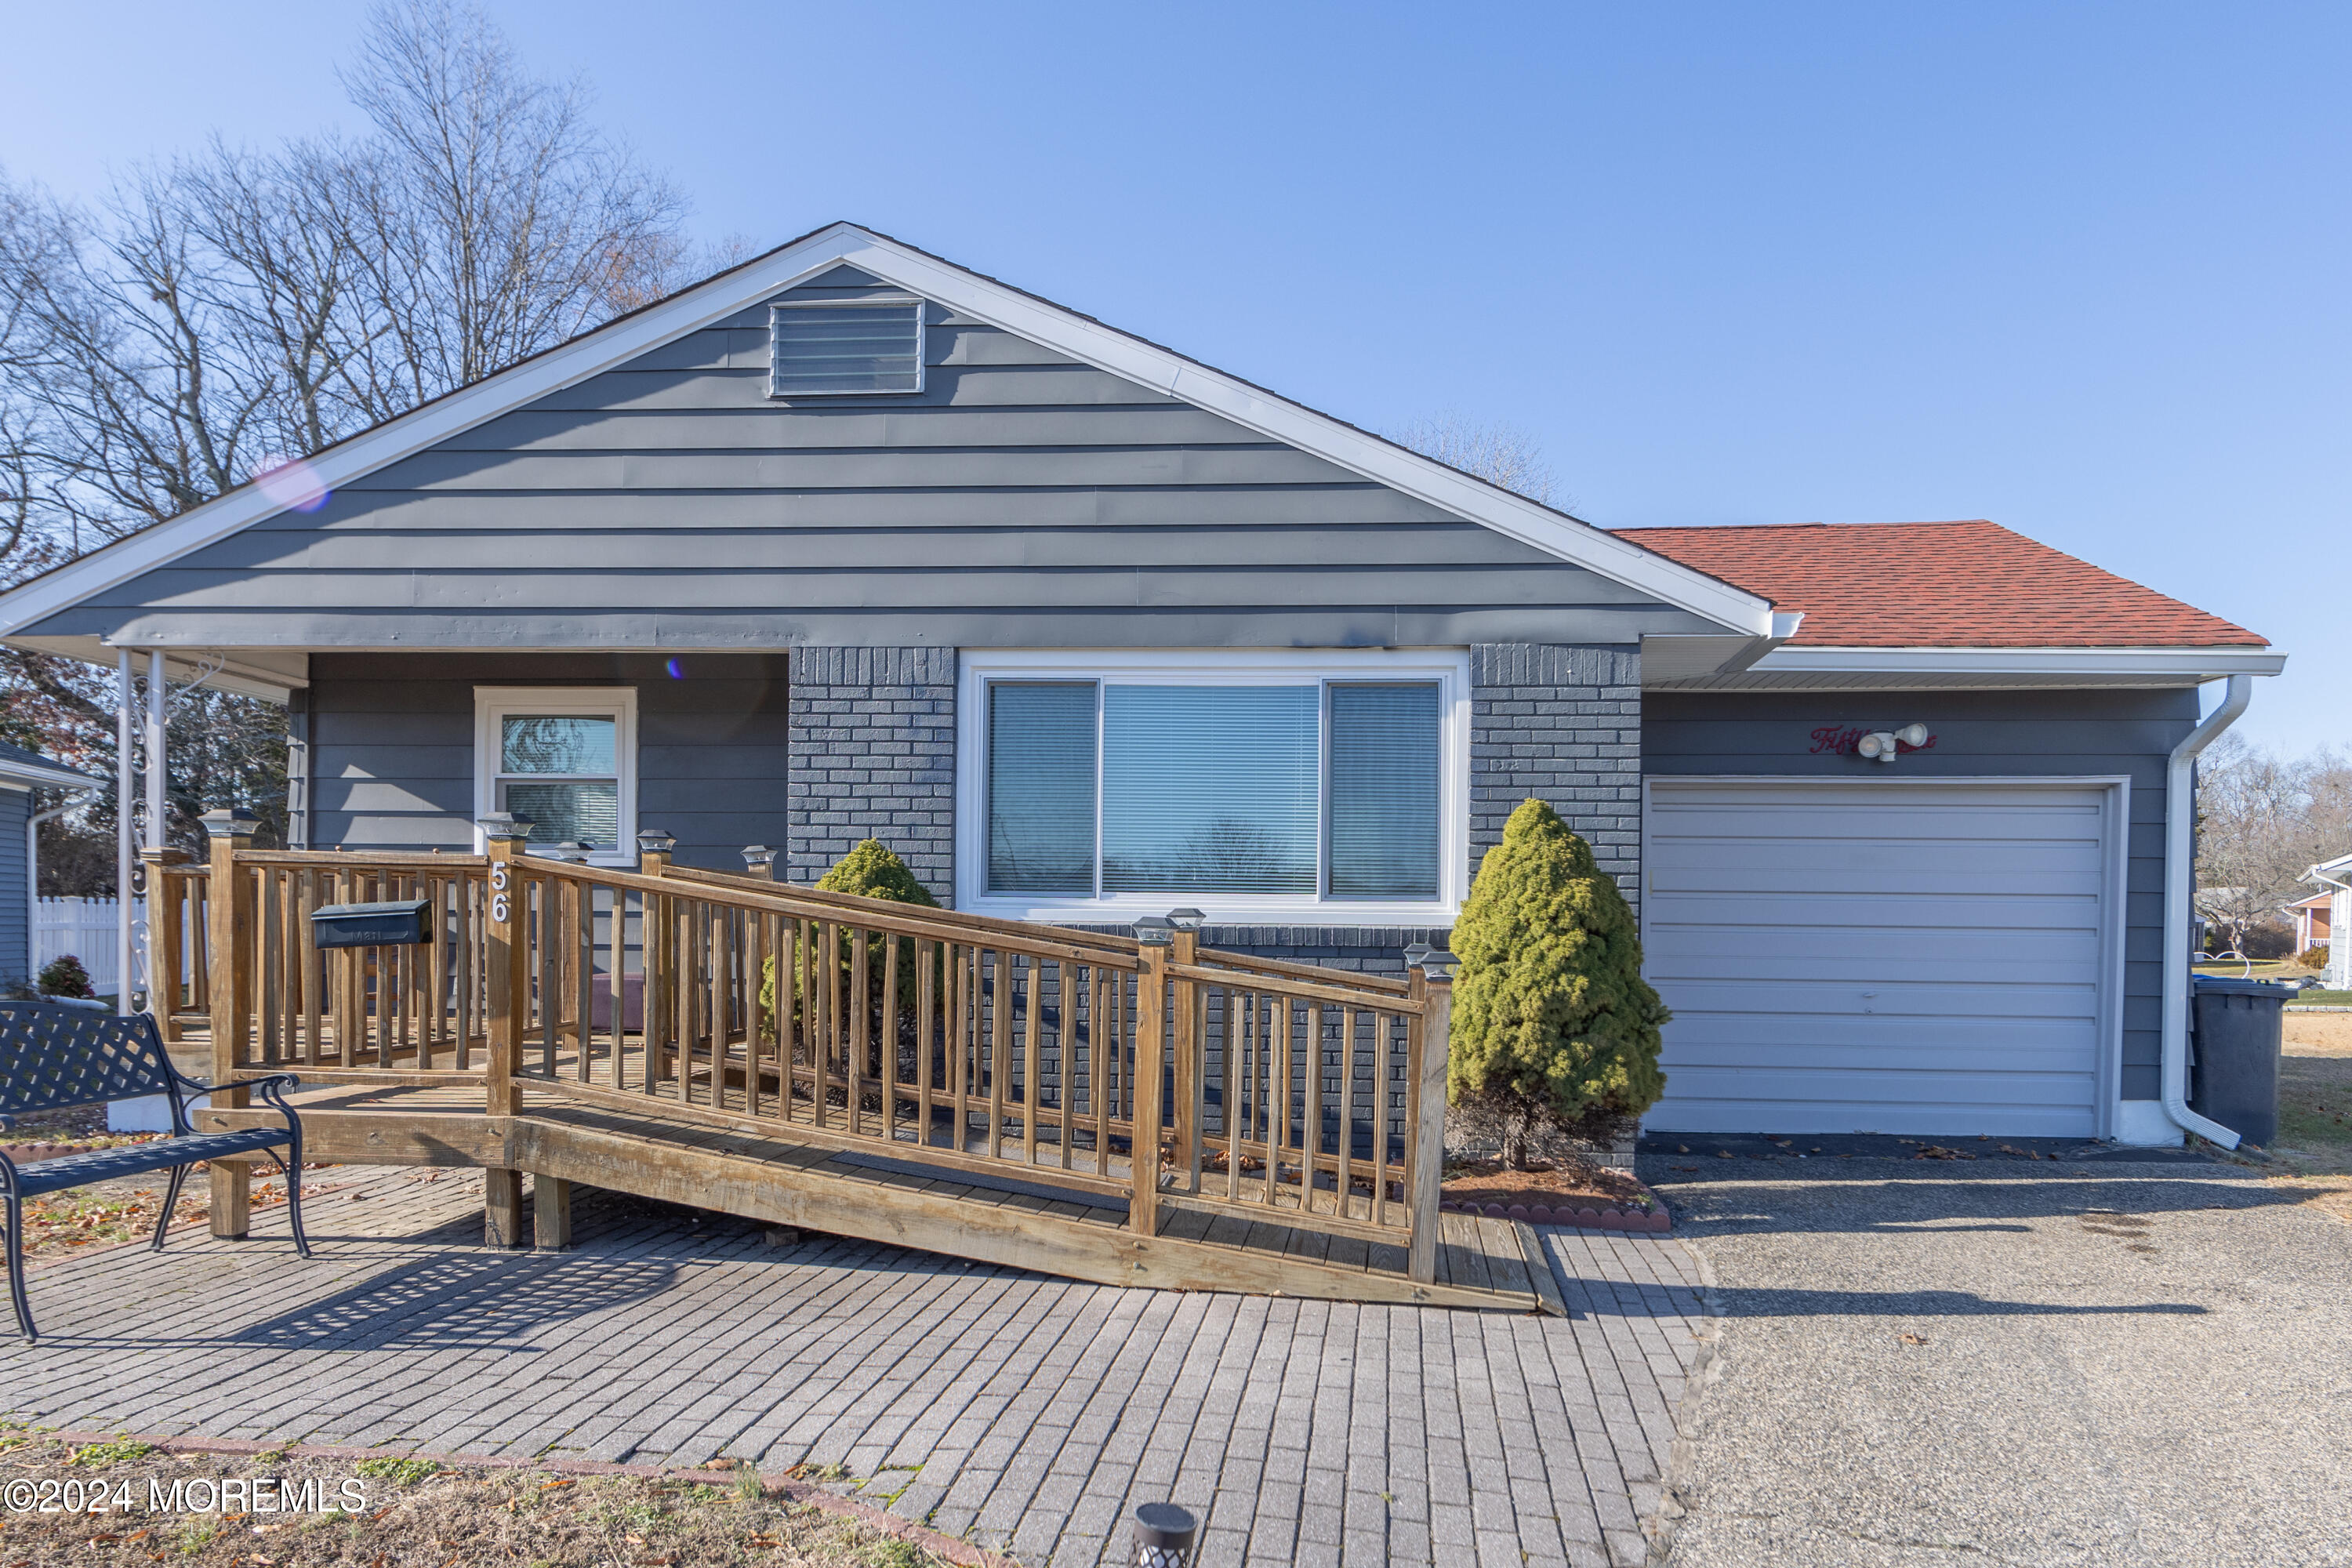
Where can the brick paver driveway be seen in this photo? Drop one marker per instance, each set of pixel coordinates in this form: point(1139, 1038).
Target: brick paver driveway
point(1027, 1413)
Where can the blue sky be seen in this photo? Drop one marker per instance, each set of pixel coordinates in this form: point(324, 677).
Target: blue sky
point(2077, 268)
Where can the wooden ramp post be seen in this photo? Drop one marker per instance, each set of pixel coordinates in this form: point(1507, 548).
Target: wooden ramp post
point(1155, 935)
point(508, 1002)
point(1434, 981)
point(230, 937)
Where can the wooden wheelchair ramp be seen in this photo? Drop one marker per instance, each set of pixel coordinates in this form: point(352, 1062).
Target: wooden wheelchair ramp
point(1134, 1111)
point(763, 1174)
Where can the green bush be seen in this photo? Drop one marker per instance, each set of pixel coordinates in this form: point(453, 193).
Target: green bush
point(1552, 1020)
point(65, 977)
point(869, 871)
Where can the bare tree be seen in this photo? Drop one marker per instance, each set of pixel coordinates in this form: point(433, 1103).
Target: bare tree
point(495, 220)
point(2261, 822)
point(227, 309)
point(1498, 453)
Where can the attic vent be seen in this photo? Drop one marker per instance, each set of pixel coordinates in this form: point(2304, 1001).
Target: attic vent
point(831, 350)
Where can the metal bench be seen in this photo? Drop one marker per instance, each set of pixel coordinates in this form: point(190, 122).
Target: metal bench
point(53, 1058)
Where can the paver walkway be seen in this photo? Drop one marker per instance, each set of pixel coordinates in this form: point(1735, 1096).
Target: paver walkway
point(1027, 1413)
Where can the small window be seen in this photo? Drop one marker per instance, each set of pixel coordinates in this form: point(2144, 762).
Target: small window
point(565, 757)
point(830, 350)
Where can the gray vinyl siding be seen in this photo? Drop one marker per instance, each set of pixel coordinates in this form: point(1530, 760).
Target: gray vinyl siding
point(1021, 499)
point(15, 915)
point(2016, 734)
point(391, 746)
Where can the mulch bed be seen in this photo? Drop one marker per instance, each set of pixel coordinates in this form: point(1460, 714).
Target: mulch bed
point(1553, 1192)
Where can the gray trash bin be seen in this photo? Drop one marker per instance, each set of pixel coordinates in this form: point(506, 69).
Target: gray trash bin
point(2235, 1074)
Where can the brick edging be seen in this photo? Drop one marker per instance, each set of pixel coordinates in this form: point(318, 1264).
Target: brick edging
point(816, 1497)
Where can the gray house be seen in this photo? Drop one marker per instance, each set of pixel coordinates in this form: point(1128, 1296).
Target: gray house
point(850, 541)
point(21, 773)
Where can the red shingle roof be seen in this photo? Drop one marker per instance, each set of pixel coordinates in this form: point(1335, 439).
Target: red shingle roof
point(1938, 585)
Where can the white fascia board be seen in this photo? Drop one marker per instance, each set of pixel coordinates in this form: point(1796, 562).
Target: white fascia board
point(1103, 347)
point(34, 775)
point(2187, 663)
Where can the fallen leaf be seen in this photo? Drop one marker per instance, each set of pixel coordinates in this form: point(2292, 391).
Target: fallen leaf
point(552, 1486)
point(1681, 1148)
point(1913, 1339)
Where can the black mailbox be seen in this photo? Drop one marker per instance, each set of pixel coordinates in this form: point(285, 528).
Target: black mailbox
point(401, 923)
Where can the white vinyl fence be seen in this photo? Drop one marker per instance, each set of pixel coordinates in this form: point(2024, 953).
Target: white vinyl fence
point(84, 928)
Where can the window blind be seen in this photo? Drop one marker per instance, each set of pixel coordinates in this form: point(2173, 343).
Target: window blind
point(1210, 789)
point(1041, 787)
point(566, 814)
point(1384, 790)
point(847, 348)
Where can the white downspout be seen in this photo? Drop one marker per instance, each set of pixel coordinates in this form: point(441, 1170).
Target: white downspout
point(2179, 884)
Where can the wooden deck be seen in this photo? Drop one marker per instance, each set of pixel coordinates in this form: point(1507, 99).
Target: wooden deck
point(1038, 1218)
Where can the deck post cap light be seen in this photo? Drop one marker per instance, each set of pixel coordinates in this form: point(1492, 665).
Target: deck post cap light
point(1163, 1535)
point(1186, 919)
point(504, 827)
point(1153, 931)
point(654, 841)
point(230, 822)
point(759, 860)
point(1415, 953)
point(1438, 963)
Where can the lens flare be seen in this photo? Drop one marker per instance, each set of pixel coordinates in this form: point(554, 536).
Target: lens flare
point(677, 669)
point(293, 484)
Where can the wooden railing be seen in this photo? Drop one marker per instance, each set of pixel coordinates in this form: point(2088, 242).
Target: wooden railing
point(1254, 1090)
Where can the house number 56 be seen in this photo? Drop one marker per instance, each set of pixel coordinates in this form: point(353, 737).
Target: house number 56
point(499, 909)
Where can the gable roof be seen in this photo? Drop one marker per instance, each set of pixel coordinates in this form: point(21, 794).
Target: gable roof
point(1940, 585)
point(1615, 557)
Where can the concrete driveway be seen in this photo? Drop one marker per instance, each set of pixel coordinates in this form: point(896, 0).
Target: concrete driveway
point(2010, 1361)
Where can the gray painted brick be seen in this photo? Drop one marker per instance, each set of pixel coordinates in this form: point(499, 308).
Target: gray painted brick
point(873, 755)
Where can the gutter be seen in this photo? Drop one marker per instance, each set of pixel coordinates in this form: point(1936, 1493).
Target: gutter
point(2179, 817)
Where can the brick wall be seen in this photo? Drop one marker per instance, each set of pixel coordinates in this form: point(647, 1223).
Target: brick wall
point(872, 756)
point(1562, 724)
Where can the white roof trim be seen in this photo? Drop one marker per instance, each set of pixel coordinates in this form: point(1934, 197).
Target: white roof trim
point(1103, 347)
point(2189, 663)
point(28, 774)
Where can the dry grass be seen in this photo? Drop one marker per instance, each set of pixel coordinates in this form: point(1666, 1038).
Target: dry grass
point(2314, 1149)
point(420, 1512)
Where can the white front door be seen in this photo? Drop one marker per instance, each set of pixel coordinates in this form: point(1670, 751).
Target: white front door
point(1881, 955)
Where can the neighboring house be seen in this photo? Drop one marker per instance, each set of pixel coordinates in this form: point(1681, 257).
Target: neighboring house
point(22, 772)
point(2334, 878)
point(2313, 926)
point(848, 540)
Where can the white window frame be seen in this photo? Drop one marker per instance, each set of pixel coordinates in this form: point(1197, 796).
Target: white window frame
point(493, 704)
point(1448, 668)
point(878, 302)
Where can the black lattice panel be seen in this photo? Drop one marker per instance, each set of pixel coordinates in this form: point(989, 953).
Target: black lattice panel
point(53, 1057)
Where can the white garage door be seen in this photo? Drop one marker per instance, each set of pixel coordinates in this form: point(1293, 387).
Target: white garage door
point(1878, 957)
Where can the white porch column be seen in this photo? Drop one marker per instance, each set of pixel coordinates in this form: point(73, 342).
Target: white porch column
point(126, 780)
point(2339, 940)
point(158, 775)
